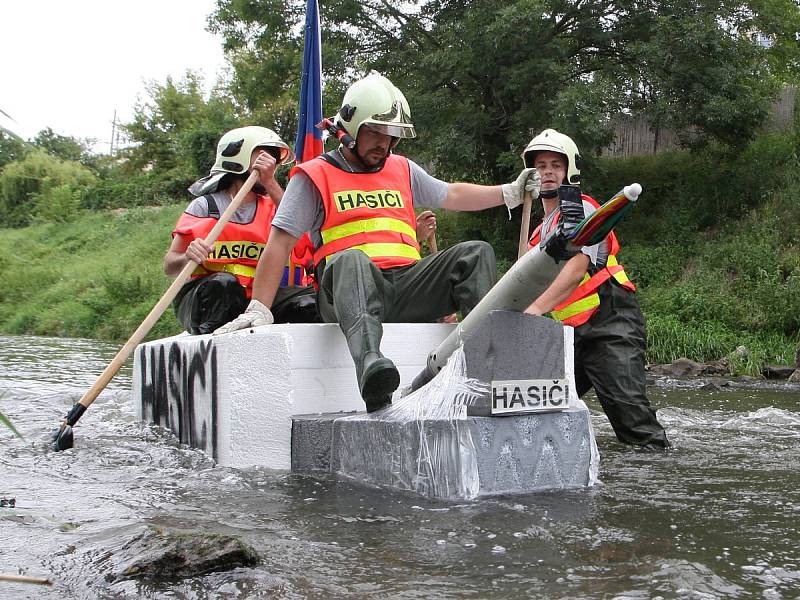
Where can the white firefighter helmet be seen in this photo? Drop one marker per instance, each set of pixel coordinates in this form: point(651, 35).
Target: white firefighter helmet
point(235, 147)
point(234, 151)
point(375, 101)
point(551, 140)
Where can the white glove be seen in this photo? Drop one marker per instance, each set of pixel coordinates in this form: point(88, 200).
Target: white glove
point(514, 193)
point(255, 315)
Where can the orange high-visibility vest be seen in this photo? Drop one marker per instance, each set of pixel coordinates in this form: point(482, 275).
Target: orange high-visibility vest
point(238, 247)
point(371, 212)
point(584, 301)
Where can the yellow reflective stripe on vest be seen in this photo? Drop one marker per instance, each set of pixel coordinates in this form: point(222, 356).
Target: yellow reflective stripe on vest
point(591, 302)
point(378, 250)
point(243, 270)
point(367, 225)
point(621, 276)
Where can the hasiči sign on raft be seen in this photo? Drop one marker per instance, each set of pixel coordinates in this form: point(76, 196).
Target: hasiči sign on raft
point(529, 395)
point(350, 199)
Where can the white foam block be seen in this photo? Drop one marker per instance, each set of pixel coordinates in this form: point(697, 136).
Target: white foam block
point(234, 395)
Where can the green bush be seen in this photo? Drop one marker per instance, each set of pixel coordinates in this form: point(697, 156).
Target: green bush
point(140, 189)
point(27, 186)
point(688, 192)
point(57, 205)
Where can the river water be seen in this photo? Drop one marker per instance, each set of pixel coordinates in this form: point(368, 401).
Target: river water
point(717, 517)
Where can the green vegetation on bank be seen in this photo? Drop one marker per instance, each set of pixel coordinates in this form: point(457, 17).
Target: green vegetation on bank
point(715, 249)
point(713, 246)
point(96, 276)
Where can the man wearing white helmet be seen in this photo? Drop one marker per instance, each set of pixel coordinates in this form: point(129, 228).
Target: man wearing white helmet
point(221, 285)
point(358, 205)
point(593, 294)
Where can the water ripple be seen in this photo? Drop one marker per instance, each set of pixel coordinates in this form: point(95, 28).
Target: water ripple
point(716, 517)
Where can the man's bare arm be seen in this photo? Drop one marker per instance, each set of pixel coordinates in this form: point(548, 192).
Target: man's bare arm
point(563, 285)
point(269, 270)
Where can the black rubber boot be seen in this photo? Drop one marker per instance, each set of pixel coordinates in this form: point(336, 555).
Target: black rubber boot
point(378, 380)
point(352, 293)
point(377, 376)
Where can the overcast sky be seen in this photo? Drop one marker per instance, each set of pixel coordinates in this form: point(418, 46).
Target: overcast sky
point(69, 65)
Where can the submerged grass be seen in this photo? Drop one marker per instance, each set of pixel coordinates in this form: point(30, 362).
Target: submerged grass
point(7, 423)
point(4, 420)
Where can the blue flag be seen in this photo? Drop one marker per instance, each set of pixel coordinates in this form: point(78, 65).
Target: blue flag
point(309, 139)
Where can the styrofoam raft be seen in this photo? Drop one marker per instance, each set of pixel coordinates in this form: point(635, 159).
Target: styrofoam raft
point(440, 440)
point(233, 395)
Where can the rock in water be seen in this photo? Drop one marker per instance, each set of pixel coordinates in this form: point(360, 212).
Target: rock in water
point(777, 371)
point(161, 554)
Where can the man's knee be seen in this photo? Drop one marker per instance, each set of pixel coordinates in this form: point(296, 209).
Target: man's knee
point(478, 264)
point(482, 250)
point(347, 259)
point(479, 260)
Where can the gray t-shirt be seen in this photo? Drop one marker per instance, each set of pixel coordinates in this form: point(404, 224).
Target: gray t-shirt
point(243, 215)
point(301, 208)
point(598, 254)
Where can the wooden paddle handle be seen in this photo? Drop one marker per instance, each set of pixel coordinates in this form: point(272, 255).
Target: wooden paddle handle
point(153, 316)
point(432, 244)
point(524, 226)
point(25, 579)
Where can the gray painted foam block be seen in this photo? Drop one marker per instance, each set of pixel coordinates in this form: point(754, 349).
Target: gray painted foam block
point(515, 454)
point(511, 346)
point(532, 452)
point(312, 436)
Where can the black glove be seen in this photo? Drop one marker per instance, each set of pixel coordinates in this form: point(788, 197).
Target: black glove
point(571, 207)
point(571, 214)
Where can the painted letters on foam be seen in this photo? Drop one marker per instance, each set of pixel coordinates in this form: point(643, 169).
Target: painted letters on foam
point(178, 391)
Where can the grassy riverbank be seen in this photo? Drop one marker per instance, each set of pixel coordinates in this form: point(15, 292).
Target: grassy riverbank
point(714, 247)
point(96, 276)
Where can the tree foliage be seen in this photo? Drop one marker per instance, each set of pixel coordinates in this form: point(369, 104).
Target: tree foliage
point(12, 148)
point(65, 147)
point(176, 128)
point(710, 69)
point(483, 75)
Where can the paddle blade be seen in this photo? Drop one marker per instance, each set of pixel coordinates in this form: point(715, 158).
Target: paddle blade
point(62, 438)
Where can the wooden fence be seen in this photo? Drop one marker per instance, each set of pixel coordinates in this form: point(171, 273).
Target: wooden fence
point(633, 136)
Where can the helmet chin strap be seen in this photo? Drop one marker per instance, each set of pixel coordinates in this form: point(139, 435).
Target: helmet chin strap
point(548, 194)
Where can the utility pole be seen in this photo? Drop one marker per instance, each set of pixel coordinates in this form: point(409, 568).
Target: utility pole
point(113, 133)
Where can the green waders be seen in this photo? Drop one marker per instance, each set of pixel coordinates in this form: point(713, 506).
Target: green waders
point(610, 356)
point(359, 296)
